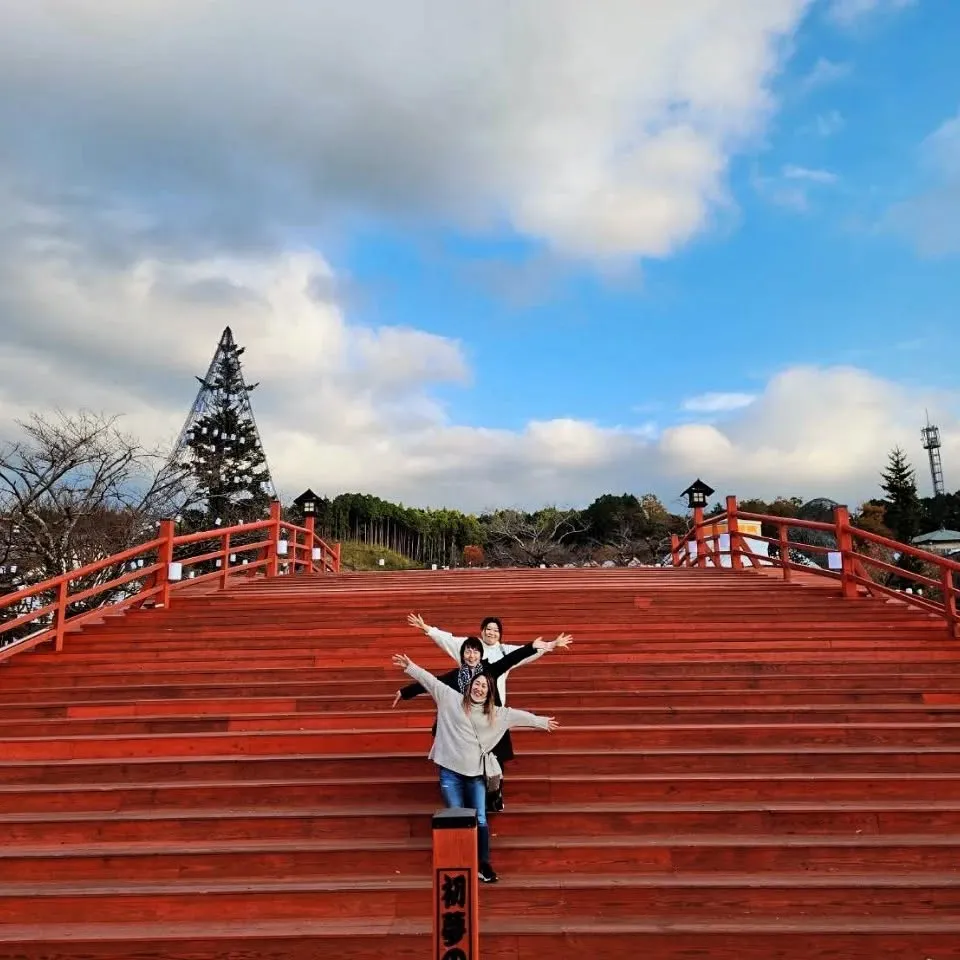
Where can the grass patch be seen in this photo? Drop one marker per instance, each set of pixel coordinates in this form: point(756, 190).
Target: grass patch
point(363, 556)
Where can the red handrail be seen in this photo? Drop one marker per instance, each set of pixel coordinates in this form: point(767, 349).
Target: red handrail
point(848, 564)
point(158, 572)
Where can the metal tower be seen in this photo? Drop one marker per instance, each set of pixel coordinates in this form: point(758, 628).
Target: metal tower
point(212, 395)
point(930, 436)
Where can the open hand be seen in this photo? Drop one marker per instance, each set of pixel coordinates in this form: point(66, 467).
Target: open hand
point(401, 660)
point(415, 620)
point(564, 640)
point(552, 725)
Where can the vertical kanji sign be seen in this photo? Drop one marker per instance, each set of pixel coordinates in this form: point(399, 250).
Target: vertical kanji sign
point(456, 929)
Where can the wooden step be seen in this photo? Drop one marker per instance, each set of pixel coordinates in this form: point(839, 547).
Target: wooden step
point(167, 859)
point(667, 938)
point(584, 738)
point(534, 897)
point(745, 769)
point(524, 820)
point(545, 789)
point(421, 717)
point(532, 762)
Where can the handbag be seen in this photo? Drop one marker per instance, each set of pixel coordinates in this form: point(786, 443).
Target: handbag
point(493, 781)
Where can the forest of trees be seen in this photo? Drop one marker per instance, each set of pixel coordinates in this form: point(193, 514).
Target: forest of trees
point(618, 528)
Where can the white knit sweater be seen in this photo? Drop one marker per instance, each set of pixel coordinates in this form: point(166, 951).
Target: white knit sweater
point(464, 735)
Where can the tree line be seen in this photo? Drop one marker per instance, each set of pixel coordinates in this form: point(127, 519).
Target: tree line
point(614, 527)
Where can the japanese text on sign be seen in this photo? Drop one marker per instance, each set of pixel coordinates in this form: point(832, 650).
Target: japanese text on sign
point(455, 922)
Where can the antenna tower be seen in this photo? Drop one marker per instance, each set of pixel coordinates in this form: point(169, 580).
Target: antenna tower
point(220, 441)
point(930, 436)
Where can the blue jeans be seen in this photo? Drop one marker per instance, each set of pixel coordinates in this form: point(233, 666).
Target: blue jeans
point(460, 791)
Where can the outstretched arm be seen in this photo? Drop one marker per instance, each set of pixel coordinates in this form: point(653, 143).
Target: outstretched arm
point(445, 641)
point(430, 683)
point(412, 690)
point(521, 718)
point(526, 652)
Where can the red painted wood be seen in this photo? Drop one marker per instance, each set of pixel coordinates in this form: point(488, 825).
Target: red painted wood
point(746, 769)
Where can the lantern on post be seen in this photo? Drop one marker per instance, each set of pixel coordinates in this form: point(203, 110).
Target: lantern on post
point(307, 503)
point(697, 494)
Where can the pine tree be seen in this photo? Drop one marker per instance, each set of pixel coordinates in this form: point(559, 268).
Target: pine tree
point(903, 510)
point(222, 445)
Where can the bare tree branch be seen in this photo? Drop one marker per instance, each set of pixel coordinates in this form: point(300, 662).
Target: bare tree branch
point(75, 489)
point(529, 539)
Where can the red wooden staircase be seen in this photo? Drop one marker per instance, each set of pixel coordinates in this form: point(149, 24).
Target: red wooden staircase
point(747, 769)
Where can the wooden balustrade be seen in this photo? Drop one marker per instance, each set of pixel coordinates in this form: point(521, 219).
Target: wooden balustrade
point(153, 570)
point(848, 561)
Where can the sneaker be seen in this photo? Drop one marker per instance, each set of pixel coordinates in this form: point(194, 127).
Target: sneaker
point(487, 874)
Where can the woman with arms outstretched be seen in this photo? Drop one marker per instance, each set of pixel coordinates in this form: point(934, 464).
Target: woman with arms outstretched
point(496, 659)
point(469, 725)
point(491, 635)
point(472, 663)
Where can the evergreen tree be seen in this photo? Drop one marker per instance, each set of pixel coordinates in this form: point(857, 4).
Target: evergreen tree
point(226, 457)
point(903, 512)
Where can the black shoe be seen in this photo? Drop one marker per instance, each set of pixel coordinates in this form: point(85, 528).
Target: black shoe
point(487, 874)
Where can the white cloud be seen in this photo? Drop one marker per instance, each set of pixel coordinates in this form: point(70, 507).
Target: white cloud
point(718, 402)
point(168, 166)
point(790, 189)
point(827, 124)
point(849, 12)
point(823, 73)
point(604, 128)
point(931, 218)
point(792, 172)
point(343, 407)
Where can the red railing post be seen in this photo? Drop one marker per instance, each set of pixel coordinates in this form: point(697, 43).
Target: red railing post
point(225, 561)
point(949, 601)
point(165, 558)
point(844, 537)
point(733, 534)
point(784, 547)
point(311, 524)
point(60, 614)
point(336, 558)
point(698, 536)
point(273, 531)
point(456, 924)
point(675, 549)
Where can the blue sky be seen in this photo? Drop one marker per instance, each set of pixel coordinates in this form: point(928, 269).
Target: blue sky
point(495, 252)
point(771, 286)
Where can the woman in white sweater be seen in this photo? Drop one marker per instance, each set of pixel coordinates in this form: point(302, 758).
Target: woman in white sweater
point(469, 725)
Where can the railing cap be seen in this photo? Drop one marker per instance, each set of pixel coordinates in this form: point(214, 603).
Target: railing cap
point(455, 818)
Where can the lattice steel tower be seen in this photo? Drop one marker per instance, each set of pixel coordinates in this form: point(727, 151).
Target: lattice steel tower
point(220, 442)
point(930, 436)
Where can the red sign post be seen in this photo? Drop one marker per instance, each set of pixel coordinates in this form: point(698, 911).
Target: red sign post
point(456, 924)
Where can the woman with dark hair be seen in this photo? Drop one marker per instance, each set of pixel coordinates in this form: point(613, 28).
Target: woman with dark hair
point(469, 725)
point(496, 655)
point(472, 663)
point(491, 634)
